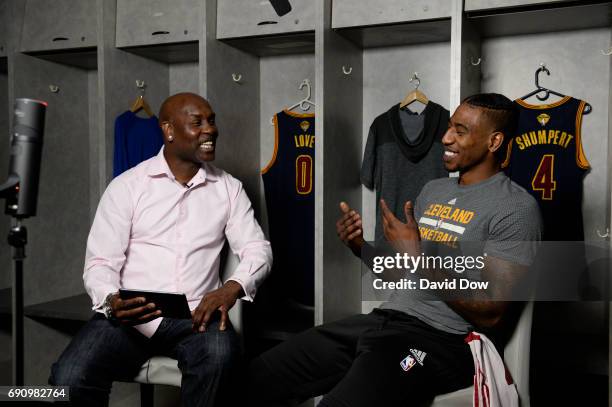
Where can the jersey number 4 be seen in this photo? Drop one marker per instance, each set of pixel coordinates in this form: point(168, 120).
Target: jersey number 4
point(544, 178)
point(303, 174)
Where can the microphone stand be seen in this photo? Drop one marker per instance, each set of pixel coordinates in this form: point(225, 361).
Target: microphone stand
point(18, 238)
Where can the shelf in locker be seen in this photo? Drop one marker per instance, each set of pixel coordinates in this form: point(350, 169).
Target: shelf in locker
point(160, 30)
point(555, 17)
point(254, 27)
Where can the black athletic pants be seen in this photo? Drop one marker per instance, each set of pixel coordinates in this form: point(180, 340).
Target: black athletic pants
point(385, 358)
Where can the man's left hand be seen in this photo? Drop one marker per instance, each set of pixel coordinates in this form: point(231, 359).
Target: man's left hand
point(403, 237)
point(221, 299)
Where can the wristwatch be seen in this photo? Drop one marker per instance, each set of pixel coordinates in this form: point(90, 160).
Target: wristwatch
point(107, 309)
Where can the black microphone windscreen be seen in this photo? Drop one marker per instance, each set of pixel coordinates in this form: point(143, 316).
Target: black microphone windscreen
point(26, 151)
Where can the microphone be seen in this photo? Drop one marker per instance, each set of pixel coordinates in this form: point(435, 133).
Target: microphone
point(21, 188)
point(281, 7)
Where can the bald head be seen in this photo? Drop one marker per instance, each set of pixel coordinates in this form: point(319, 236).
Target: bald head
point(175, 104)
point(190, 133)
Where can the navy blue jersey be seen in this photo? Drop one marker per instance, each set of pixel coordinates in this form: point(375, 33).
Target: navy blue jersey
point(136, 139)
point(289, 189)
point(546, 158)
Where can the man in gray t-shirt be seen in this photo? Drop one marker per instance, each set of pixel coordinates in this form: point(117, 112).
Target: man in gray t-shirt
point(412, 349)
point(495, 216)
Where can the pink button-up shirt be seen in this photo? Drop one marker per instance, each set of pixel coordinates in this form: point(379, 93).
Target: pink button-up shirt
point(150, 232)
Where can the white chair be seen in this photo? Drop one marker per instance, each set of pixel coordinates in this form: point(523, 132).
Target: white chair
point(164, 370)
point(516, 356)
point(157, 370)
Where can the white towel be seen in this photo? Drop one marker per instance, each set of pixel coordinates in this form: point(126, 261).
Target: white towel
point(493, 385)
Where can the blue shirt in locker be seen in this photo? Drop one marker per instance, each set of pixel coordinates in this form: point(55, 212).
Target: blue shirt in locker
point(289, 190)
point(136, 139)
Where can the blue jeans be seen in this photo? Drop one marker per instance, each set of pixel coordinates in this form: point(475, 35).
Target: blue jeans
point(102, 352)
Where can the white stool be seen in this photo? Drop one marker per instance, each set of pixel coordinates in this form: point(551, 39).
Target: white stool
point(516, 356)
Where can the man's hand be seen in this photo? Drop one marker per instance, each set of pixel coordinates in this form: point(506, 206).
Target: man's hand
point(349, 229)
point(133, 311)
point(404, 237)
point(222, 299)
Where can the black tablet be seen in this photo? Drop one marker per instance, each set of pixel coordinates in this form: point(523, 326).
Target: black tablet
point(172, 305)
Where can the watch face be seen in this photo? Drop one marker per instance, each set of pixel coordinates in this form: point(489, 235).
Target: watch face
point(106, 307)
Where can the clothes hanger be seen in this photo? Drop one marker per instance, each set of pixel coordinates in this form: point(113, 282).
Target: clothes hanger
point(303, 104)
point(307, 102)
point(548, 92)
point(415, 95)
point(140, 102)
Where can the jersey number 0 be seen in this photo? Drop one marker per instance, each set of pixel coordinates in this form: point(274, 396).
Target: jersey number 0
point(303, 174)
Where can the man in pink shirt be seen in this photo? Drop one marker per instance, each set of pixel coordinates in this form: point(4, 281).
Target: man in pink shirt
point(161, 226)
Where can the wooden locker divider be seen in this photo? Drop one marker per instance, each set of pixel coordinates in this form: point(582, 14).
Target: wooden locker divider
point(338, 143)
point(609, 223)
point(465, 60)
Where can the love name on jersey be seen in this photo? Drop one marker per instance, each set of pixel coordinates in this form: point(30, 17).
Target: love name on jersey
point(534, 138)
point(304, 140)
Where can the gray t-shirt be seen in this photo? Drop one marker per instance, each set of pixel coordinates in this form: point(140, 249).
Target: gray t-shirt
point(413, 124)
point(496, 213)
point(386, 167)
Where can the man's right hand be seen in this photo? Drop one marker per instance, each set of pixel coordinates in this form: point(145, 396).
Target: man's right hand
point(133, 311)
point(349, 229)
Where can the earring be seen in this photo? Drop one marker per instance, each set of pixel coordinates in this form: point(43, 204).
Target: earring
point(170, 138)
